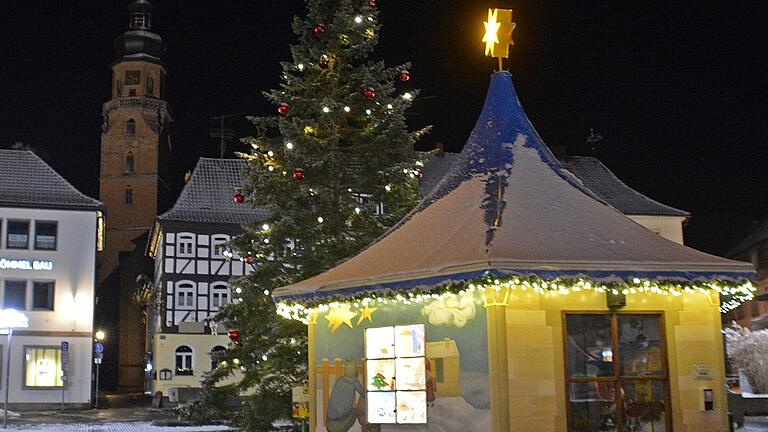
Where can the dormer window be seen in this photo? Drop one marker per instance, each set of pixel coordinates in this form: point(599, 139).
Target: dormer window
point(130, 128)
point(129, 163)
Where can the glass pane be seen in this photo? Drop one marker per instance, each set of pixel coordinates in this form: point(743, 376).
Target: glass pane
point(592, 407)
point(43, 367)
point(640, 345)
point(15, 295)
point(42, 295)
point(18, 234)
point(380, 343)
point(644, 403)
point(45, 235)
point(381, 374)
point(411, 374)
point(590, 345)
point(411, 407)
point(381, 407)
point(409, 340)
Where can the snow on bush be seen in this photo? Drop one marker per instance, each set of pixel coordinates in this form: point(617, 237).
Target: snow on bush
point(748, 351)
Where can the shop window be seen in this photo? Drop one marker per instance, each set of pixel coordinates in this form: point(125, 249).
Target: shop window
point(185, 245)
point(219, 295)
point(617, 376)
point(184, 360)
point(185, 295)
point(45, 235)
point(18, 235)
point(130, 127)
point(42, 367)
point(128, 195)
point(165, 375)
point(42, 295)
point(15, 295)
point(216, 355)
point(132, 77)
point(130, 163)
point(396, 352)
point(219, 245)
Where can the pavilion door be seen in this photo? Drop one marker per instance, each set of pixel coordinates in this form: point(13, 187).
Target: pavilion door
point(617, 378)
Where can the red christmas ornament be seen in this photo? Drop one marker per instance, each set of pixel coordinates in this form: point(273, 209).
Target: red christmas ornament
point(324, 62)
point(372, 3)
point(418, 174)
point(298, 174)
point(234, 336)
point(370, 93)
point(320, 30)
point(248, 259)
point(405, 75)
point(239, 198)
point(283, 109)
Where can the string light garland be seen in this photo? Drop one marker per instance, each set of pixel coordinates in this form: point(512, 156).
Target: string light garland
point(732, 294)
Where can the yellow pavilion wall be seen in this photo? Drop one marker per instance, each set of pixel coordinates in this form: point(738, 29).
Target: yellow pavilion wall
point(536, 365)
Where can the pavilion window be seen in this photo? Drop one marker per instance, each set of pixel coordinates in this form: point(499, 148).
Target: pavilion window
point(617, 377)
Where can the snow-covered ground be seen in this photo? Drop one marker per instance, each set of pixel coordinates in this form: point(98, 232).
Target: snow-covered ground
point(116, 427)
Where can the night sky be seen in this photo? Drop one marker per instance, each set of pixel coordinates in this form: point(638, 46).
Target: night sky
point(678, 92)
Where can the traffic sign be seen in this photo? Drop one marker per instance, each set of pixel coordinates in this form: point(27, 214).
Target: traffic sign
point(97, 360)
point(98, 348)
point(64, 346)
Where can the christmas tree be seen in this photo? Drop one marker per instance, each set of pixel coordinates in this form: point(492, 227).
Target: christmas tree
point(336, 167)
point(379, 381)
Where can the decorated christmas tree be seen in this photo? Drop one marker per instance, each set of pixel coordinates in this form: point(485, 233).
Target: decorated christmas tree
point(335, 167)
point(379, 381)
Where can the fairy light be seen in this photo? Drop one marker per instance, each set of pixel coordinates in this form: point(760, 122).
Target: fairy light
point(368, 111)
point(320, 219)
point(300, 66)
point(271, 168)
point(347, 109)
point(289, 145)
point(326, 109)
point(270, 153)
point(265, 227)
point(407, 96)
point(358, 19)
point(734, 294)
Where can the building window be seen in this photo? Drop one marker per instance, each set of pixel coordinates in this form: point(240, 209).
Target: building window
point(132, 77)
point(118, 89)
point(15, 295)
point(185, 245)
point(216, 355)
point(129, 195)
point(42, 367)
point(219, 295)
point(150, 86)
point(184, 360)
point(45, 235)
point(140, 21)
point(131, 92)
point(18, 235)
point(166, 375)
point(185, 295)
point(42, 295)
point(130, 128)
point(130, 163)
point(219, 245)
point(616, 372)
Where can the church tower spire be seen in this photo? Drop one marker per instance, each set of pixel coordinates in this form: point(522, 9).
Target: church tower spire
point(135, 124)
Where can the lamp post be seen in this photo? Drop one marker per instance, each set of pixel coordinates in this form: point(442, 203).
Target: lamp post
point(98, 352)
point(9, 320)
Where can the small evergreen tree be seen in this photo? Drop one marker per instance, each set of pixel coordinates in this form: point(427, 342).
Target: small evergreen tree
point(337, 152)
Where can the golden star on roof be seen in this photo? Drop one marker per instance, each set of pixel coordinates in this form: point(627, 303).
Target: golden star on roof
point(491, 37)
point(338, 316)
point(366, 313)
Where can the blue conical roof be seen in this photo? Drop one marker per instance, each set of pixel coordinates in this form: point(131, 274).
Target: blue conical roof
point(507, 207)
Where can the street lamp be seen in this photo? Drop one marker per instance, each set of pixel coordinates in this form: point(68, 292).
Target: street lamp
point(98, 352)
point(9, 320)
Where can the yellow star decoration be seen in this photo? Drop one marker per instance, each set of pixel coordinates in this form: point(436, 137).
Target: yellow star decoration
point(366, 313)
point(491, 37)
point(338, 316)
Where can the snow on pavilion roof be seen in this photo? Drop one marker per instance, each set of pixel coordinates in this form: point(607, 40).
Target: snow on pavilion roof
point(508, 207)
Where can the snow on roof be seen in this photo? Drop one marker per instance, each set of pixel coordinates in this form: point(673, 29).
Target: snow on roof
point(600, 180)
point(507, 207)
point(207, 196)
point(27, 181)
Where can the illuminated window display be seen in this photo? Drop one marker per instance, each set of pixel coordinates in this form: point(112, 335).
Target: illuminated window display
point(42, 367)
point(396, 374)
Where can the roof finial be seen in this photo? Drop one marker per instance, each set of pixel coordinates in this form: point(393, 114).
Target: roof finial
point(140, 13)
point(498, 31)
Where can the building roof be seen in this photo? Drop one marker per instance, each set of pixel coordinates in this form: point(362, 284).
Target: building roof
point(27, 181)
point(604, 183)
point(507, 207)
point(759, 235)
point(435, 169)
point(207, 196)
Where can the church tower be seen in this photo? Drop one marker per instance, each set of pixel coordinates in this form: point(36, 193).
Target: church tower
point(134, 126)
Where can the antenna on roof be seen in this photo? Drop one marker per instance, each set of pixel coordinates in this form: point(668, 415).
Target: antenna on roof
point(223, 134)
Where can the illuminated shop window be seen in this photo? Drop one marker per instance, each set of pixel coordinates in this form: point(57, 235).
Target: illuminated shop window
point(42, 366)
point(396, 374)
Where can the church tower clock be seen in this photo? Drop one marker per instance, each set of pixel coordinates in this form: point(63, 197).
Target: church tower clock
point(135, 122)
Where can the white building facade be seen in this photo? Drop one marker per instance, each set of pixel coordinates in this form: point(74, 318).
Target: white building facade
point(48, 243)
